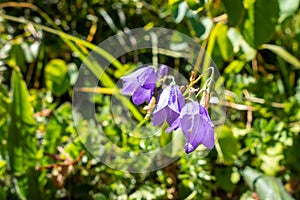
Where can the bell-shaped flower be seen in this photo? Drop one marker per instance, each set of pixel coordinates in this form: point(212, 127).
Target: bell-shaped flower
point(196, 125)
point(162, 71)
point(140, 84)
point(169, 105)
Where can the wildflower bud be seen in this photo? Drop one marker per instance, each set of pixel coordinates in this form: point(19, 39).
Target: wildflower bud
point(205, 99)
point(182, 88)
point(193, 76)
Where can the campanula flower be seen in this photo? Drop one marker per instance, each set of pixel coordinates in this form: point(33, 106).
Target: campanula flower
point(162, 71)
point(140, 84)
point(169, 105)
point(196, 125)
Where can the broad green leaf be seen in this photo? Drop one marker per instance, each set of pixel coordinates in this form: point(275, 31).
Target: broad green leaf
point(33, 184)
point(22, 127)
point(260, 22)
point(227, 146)
point(223, 178)
point(280, 51)
point(57, 79)
point(21, 142)
point(267, 187)
point(3, 193)
point(235, 11)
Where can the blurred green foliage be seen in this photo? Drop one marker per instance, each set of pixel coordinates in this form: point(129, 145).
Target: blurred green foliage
point(255, 45)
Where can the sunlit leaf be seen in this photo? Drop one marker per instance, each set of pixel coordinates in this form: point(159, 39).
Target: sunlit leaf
point(21, 140)
point(234, 67)
point(260, 22)
point(270, 160)
point(227, 146)
point(56, 75)
point(22, 128)
point(225, 46)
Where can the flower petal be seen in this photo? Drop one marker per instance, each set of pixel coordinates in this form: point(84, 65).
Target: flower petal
point(193, 133)
point(203, 112)
point(159, 117)
point(171, 101)
point(129, 87)
point(171, 116)
point(162, 71)
point(176, 100)
point(162, 100)
point(147, 76)
point(197, 127)
point(150, 80)
point(209, 138)
point(134, 74)
point(174, 125)
point(141, 95)
point(189, 148)
point(143, 77)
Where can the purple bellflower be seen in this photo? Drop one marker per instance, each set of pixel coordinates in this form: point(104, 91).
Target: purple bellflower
point(169, 105)
point(196, 125)
point(140, 84)
point(162, 71)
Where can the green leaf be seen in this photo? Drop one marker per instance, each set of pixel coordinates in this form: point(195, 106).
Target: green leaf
point(235, 11)
point(224, 43)
point(270, 160)
point(22, 128)
point(16, 56)
point(21, 142)
point(223, 178)
point(4, 102)
point(56, 128)
point(227, 146)
point(198, 29)
point(234, 67)
point(260, 22)
point(267, 187)
point(284, 54)
point(57, 79)
point(195, 4)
